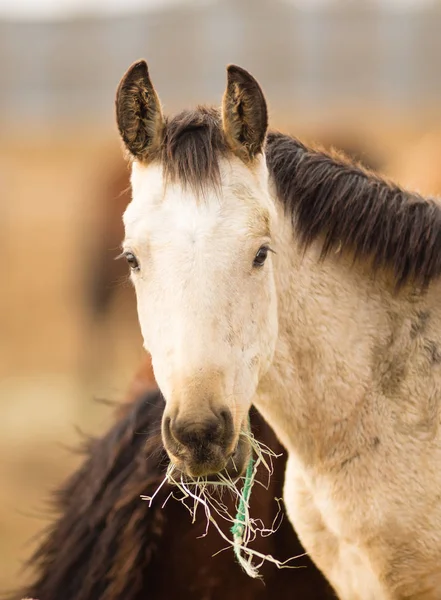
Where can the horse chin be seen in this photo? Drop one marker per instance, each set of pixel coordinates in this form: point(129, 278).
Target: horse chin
point(232, 466)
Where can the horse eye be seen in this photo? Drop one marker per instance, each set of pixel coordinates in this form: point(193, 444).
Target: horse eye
point(132, 261)
point(261, 256)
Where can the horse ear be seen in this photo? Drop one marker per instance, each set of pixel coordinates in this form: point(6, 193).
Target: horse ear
point(244, 114)
point(138, 112)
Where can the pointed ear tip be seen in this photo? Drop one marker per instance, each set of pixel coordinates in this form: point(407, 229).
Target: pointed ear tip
point(140, 65)
point(137, 69)
point(240, 75)
point(235, 69)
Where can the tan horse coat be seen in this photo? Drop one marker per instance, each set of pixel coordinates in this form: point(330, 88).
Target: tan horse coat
point(336, 339)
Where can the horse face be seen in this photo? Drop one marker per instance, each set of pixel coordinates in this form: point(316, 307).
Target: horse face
point(201, 259)
point(206, 303)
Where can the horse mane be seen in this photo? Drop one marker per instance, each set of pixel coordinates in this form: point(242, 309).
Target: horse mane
point(352, 209)
point(103, 540)
point(329, 197)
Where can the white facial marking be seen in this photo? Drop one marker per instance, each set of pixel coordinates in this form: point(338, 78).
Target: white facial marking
point(203, 307)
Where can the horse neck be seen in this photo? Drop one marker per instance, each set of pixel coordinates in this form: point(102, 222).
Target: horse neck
point(330, 315)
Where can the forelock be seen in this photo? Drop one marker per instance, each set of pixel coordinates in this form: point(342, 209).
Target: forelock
point(193, 145)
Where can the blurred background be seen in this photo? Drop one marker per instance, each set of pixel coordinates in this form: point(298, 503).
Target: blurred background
point(361, 75)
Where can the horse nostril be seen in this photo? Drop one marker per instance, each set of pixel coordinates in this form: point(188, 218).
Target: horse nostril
point(227, 419)
point(228, 426)
point(168, 429)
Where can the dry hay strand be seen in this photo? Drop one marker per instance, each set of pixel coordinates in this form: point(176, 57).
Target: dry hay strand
point(197, 492)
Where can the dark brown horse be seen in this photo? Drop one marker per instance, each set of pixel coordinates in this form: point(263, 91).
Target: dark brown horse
point(107, 544)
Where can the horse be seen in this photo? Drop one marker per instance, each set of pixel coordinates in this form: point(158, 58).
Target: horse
point(103, 275)
point(270, 273)
point(108, 544)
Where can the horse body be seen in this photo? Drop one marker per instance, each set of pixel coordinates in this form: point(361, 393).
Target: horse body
point(357, 411)
point(334, 336)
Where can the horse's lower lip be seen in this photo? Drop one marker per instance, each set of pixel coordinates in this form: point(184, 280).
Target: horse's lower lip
point(232, 464)
point(203, 470)
point(192, 465)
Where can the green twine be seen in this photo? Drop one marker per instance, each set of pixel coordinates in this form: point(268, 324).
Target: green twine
point(238, 528)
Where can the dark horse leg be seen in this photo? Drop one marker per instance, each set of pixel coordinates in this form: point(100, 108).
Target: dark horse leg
point(107, 544)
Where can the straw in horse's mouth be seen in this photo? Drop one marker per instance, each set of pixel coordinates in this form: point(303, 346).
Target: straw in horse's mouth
point(198, 492)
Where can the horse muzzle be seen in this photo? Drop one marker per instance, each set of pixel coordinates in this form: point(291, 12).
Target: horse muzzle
point(205, 447)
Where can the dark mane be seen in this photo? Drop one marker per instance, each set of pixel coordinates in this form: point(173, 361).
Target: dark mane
point(193, 143)
point(349, 207)
point(102, 543)
point(355, 210)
